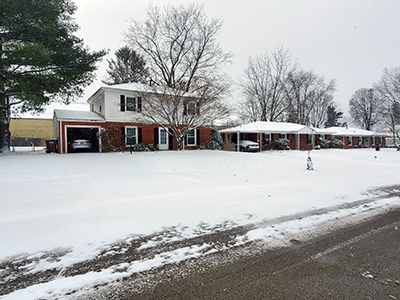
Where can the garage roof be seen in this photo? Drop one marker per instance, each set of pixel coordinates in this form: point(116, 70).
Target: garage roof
point(76, 115)
point(269, 127)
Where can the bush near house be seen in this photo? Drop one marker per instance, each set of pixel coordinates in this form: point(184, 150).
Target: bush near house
point(110, 139)
point(337, 143)
point(324, 143)
point(281, 144)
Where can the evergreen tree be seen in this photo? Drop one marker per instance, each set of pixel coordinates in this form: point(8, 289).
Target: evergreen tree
point(333, 117)
point(128, 66)
point(216, 141)
point(40, 58)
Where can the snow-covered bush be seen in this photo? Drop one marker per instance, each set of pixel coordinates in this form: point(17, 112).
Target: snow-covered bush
point(337, 143)
point(282, 144)
point(216, 141)
point(324, 143)
point(152, 147)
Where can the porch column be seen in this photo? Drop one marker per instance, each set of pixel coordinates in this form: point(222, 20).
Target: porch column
point(237, 141)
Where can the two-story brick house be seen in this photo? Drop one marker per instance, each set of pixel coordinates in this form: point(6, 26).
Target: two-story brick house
point(118, 109)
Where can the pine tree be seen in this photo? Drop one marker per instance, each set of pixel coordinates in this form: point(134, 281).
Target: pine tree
point(40, 57)
point(128, 66)
point(333, 117)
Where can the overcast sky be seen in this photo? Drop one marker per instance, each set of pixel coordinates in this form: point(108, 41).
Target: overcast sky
point(351, 41)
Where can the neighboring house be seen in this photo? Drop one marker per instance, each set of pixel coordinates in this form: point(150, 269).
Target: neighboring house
point(27, 132)
point(350, 137)
point(116, 109)
point(301, 137)
point(268, 134)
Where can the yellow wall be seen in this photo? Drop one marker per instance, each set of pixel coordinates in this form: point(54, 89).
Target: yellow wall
point(31, 128)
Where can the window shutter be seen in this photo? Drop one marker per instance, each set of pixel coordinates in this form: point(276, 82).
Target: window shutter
point(122, 102)
point(197, 137)
point(170, 140)
point(122, 136)
point(139, 104)
point(139, 135)
point(156, 135)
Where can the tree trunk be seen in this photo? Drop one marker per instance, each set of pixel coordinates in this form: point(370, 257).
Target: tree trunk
point(4, 123)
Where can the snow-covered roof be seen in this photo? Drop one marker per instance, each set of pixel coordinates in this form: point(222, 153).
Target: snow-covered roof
point(76, 115)
point(141, 88)
point(343, 131)
point(131, 86)
point(269, 127)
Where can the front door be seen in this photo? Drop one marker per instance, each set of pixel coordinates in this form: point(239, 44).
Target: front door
point(162, 139)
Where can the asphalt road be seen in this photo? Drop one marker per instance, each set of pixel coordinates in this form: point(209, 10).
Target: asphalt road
point(361, 261)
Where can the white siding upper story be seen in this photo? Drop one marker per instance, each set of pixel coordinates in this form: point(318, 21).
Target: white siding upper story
point(123, 102)
point(119, 103)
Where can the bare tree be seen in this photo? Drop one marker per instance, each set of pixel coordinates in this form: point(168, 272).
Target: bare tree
point(319, 113)
point(389, 89)
point(308, 95)
point(263, 85)
point(366, 107)
point(179, 44)
point(178, 111)
point(128, 66)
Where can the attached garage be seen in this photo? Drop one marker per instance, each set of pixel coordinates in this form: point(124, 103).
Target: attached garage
point(70, 126)
point(80, 133)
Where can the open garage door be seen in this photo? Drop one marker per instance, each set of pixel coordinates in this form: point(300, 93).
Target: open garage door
point(83, 139)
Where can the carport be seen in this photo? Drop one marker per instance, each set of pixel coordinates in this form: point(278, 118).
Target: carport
point(69, 125)
point(301, 137)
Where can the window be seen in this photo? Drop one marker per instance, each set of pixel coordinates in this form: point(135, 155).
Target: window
point(350, 141)
point(99, 102)
point(322, 137)
point(359, 141)
point(130, 103)
point(282, 136)
point(267, 138)
point(190, 108)
point(367, 141)
point(309, 139)
point(131, 135)
point(191, 138)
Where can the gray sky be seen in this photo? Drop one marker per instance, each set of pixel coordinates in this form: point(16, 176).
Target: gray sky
point(351, 41)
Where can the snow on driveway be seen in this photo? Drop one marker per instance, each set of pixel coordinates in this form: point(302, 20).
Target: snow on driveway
point(81, 203)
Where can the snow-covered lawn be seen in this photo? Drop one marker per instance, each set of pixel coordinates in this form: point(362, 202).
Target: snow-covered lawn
point(81, 203)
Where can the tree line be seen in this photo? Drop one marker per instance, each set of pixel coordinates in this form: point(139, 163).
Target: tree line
point(379, 104)
point(277, 89)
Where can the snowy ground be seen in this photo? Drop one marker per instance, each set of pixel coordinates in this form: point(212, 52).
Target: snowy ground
point(59, 210)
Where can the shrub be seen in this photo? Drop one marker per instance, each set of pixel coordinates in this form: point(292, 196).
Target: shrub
point(337, 143)
point(216, 142)
point(282, 144)
point(324, 143)
point(228, 145)
point(110, 139)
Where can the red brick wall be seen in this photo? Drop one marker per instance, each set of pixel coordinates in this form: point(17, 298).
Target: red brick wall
point(147, 133)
